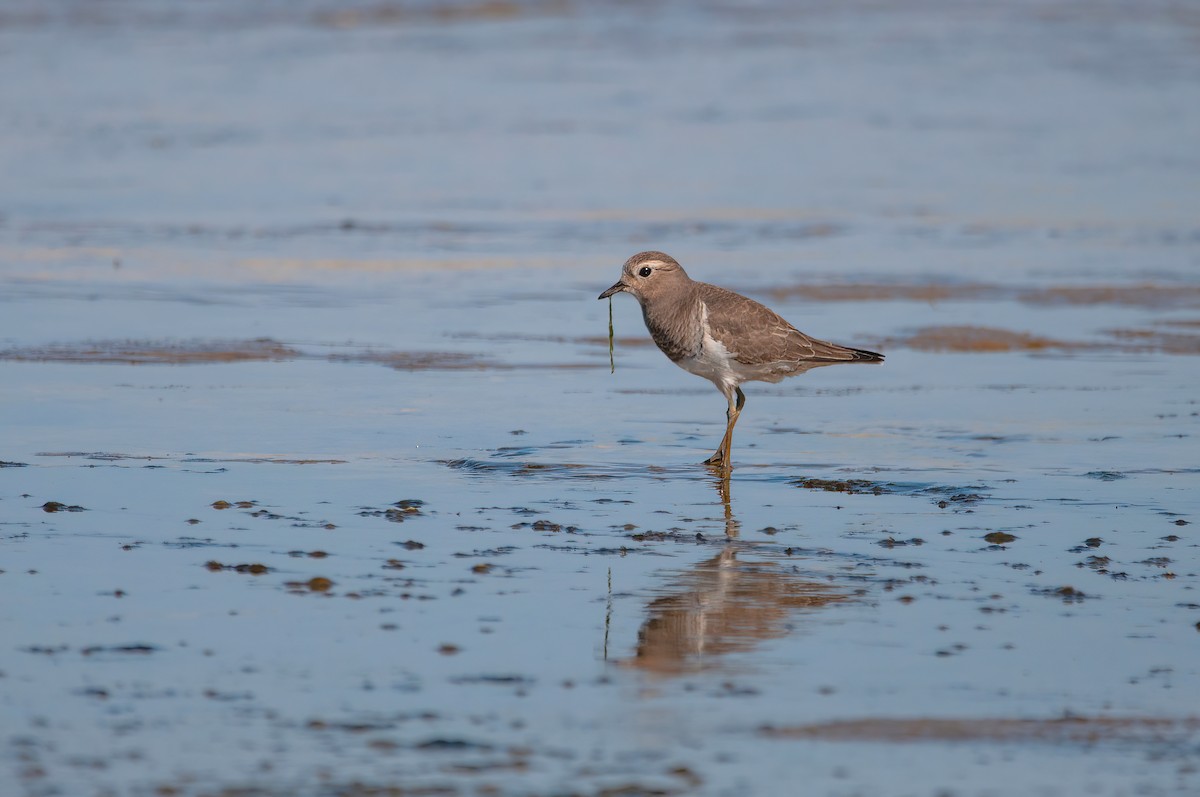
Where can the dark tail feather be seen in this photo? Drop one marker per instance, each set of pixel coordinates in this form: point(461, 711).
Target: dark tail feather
point(864, 356)
point(833, 353)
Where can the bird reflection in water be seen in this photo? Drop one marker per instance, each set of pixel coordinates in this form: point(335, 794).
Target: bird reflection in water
point(724, 605)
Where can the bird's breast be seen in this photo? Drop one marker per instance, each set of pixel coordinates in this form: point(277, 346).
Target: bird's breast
point(678, 331)
point(710, 358)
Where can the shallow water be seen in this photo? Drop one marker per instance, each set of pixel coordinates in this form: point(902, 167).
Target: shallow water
point(316, 481)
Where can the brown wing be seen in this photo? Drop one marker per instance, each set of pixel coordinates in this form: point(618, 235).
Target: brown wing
point(757, 335)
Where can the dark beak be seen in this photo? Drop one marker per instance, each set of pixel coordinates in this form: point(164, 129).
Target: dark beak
point(617, 287)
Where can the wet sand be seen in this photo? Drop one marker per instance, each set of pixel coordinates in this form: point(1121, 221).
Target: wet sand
point(314, 479)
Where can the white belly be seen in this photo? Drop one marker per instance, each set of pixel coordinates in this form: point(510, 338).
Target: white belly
point(713, 362)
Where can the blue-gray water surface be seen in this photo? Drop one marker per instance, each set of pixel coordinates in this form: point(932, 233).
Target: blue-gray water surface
point(315, 480)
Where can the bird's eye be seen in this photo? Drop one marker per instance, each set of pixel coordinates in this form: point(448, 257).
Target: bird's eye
point(645, 272)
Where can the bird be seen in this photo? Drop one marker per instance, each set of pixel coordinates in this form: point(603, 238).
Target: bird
point(722, 336)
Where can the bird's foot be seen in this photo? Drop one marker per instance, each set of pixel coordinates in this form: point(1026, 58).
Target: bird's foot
point(719, 461)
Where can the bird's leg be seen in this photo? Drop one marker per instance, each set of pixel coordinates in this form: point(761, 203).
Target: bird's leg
point(723, 457)
point(734, 413)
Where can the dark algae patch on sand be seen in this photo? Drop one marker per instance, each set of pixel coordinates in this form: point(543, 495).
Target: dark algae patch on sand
point(59, 506)
point(133, 352)
point(979, 339)
point(851, 486)
point(420, 360)
point(985, 340)
point(1067, 594)
point(1147, 295)
point(254, 569)
point(1063, 730)
point(317, 584)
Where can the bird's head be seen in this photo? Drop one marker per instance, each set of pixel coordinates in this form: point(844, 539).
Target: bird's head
point(648, 275)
